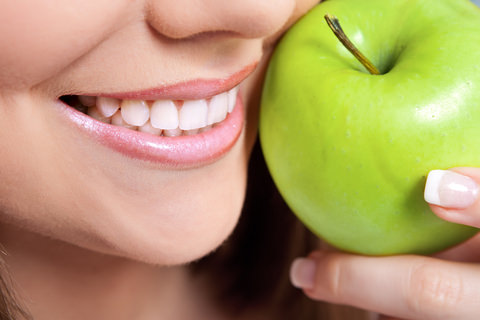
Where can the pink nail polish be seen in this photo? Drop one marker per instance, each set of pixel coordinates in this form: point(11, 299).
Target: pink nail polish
point(302, 273)
point(450, 189)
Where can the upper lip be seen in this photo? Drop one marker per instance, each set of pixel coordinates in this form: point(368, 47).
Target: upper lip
point(187, 90)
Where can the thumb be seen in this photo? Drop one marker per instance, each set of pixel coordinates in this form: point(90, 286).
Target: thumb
point(454, 195)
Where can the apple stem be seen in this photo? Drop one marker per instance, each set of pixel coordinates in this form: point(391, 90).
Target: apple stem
point(334, 24)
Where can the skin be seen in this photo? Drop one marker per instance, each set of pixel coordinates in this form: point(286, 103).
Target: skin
point(136, 221)
point(78, 219)
point(442, 287)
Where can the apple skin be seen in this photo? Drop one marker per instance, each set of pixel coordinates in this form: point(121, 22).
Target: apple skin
point(350, 151)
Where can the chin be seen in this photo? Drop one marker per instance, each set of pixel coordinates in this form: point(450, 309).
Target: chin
point(187, 245)
point(166, 238)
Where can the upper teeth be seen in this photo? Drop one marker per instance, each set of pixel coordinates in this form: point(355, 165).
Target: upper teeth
point(165, 117)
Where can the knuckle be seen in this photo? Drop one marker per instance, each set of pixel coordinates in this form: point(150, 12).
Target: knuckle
point(433, 292)
point(334, 272)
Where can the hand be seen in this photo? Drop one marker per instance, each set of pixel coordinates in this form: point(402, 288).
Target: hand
point(443, 287)
point(453, 195)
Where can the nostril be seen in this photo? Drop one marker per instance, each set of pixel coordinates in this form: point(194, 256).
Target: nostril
point(184, 19)
point(196, 36)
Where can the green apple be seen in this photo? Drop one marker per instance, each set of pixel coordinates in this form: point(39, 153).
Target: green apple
point(348, 150)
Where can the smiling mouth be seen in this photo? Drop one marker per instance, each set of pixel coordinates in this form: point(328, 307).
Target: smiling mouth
point(179, 126)
point(169, 118)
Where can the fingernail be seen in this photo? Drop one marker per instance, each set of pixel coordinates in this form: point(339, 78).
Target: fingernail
point(302, 273)
point(450, 189)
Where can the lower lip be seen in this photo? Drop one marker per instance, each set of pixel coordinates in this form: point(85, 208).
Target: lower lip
point(176, 152)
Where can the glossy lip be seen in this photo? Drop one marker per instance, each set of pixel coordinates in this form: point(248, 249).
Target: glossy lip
point(176, 152)
point(188, 90)
point(173, 152)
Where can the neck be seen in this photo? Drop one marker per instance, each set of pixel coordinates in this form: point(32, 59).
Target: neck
point(55, 280)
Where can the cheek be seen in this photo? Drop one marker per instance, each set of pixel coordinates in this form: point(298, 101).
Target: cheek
point(119, 207)
point(39, 38)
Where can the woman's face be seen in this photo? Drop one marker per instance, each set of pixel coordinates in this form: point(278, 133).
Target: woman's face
point(166, 195)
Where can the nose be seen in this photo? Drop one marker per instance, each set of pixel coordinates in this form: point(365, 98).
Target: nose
point(179, 19)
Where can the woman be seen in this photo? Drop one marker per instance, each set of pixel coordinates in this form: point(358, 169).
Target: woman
point(126, 131)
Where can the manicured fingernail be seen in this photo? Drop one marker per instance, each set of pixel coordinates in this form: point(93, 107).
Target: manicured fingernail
point(302, 273)
point(450, 189)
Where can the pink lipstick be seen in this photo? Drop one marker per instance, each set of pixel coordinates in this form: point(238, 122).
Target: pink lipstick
point(204, 146)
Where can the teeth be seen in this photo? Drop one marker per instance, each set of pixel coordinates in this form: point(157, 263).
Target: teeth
point(148, 128)
point(164, 114)
point(193, 114)
point(232, 99)
point(107, 106)
point(117, 120)
point(163, 117)
point(135, 112)
point(88, 101)
point(190, 132)
point(218, 108)
point(205, 128)
point(96, 114)
point(172, 133)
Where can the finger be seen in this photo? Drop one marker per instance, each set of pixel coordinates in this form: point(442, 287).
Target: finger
point(454, 195)
point(406, 287)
